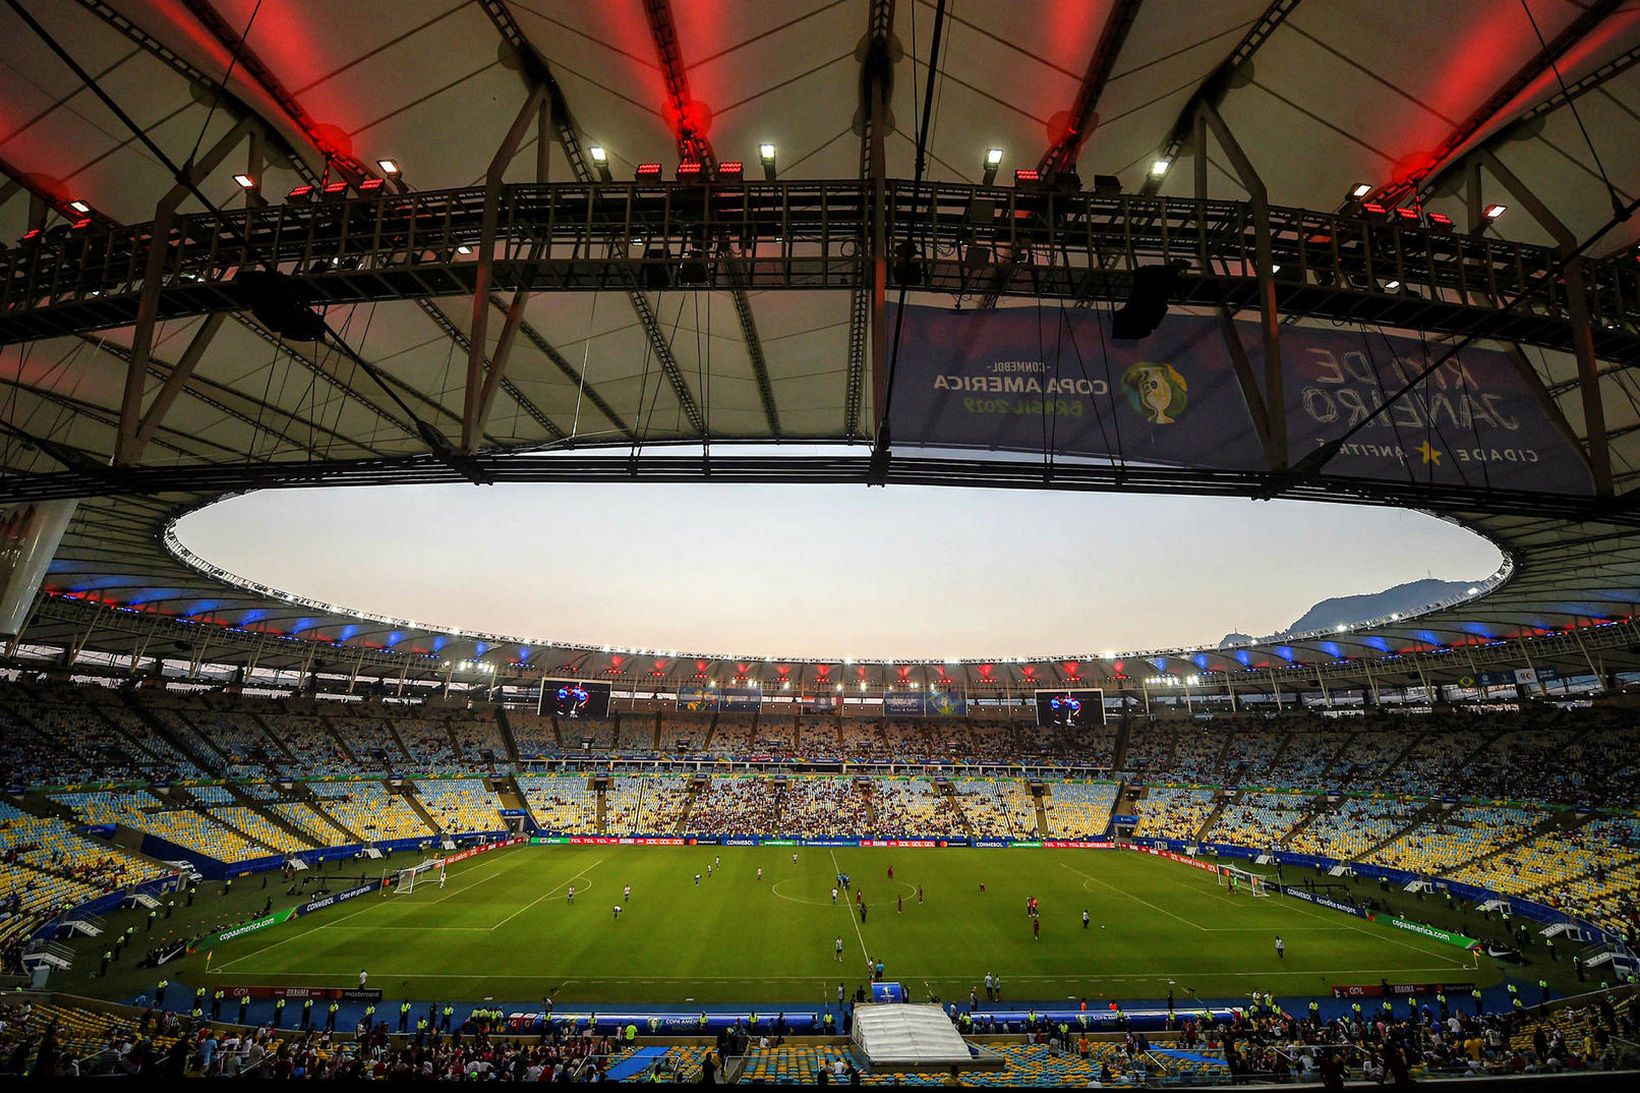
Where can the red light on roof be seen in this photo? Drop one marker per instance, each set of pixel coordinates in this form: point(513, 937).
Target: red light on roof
point(648, 171)
point(300, 193)
point(1439, 220)
point(732, 169)
point(370, 185)
point(81, 225)
point(1407, 214)
point(1027, 174)
point(690, 170)
point(1372, 208)
point(31, 233)
point(337, 187)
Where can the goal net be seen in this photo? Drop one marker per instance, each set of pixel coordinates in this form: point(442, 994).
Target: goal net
point(1241, 880)
point(405, 882)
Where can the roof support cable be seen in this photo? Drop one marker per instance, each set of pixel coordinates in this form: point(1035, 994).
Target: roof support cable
point(431, 436)
point(881, 451)
point(1554, 66)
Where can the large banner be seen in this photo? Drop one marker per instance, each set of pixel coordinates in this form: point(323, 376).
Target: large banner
point(926, 703)
point(699, 699)
point(1048, 378)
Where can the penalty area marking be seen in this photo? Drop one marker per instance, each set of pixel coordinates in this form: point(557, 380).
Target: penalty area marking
point(1134, 898)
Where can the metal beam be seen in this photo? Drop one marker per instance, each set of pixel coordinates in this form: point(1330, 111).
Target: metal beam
point(464, 343)
point(1597, 447)
point(168, 391)
point(550, 351)
point(695, 147)
point(1591, 15)
point(1216, 86)
point(1275, 398)
point(84, 281)
point(188, 71)
point(540, 73)
point(866, 303)
point(476, 407)
point(1061, 155)
point(102, 416)
point(159, 248)
point(515, 465)
point(214, 394)
point(255, 70)
point(474, 421)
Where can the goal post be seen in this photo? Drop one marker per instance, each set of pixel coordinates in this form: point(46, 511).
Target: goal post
point(1238, 880)
point(405, 883)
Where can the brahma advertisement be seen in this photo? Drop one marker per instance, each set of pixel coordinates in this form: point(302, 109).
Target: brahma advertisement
point(1046, 378)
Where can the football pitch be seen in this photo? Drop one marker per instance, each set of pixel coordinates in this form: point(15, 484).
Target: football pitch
point(503, 927)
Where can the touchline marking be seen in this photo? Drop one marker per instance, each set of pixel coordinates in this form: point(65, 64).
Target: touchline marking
point(547, 893)
point(849, 911)
point(1379, 935)
point(1136, 899)
point(367, 902)
point(935, 977)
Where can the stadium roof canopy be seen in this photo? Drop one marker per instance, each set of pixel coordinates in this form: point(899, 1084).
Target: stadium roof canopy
point(598, 371)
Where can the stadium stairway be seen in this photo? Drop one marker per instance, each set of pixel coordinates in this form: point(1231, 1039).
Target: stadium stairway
point(1424, 815)
point(654, 741)
point(324, 723)
point(1218, 810)
point(600, 824)
point(278, 744)
point(393, 733)
point(508, 741)
point(511, 797)
point(706, 744)
point(245, 800)
point(413, 799)
point(948, 793)
point(1037, 794)
point(1118, 751)
point(1342, 750)
point(868, 797)
point(1395, 764)
point(1561, 820)
point(695, 785)
point(158, 726)
point(1319, 806)
point(317, 804)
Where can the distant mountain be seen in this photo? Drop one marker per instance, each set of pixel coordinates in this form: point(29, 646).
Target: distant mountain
point(1347, 610)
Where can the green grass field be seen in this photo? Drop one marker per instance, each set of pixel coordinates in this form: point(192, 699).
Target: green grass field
point(502, 927)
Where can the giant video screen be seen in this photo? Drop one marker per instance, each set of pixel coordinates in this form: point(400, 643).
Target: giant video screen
point(1082, 708)
point(577, 699)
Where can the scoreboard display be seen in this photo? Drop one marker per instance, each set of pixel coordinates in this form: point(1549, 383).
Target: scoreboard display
point(1081, 708)
point(577, 700)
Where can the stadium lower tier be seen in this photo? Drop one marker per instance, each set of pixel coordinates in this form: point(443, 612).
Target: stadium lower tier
point(703, 927)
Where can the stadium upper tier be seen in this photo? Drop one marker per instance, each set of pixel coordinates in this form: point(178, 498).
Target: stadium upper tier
point(1538, 803)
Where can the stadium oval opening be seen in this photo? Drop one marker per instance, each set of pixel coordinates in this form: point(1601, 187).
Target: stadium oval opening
point(840, 572)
